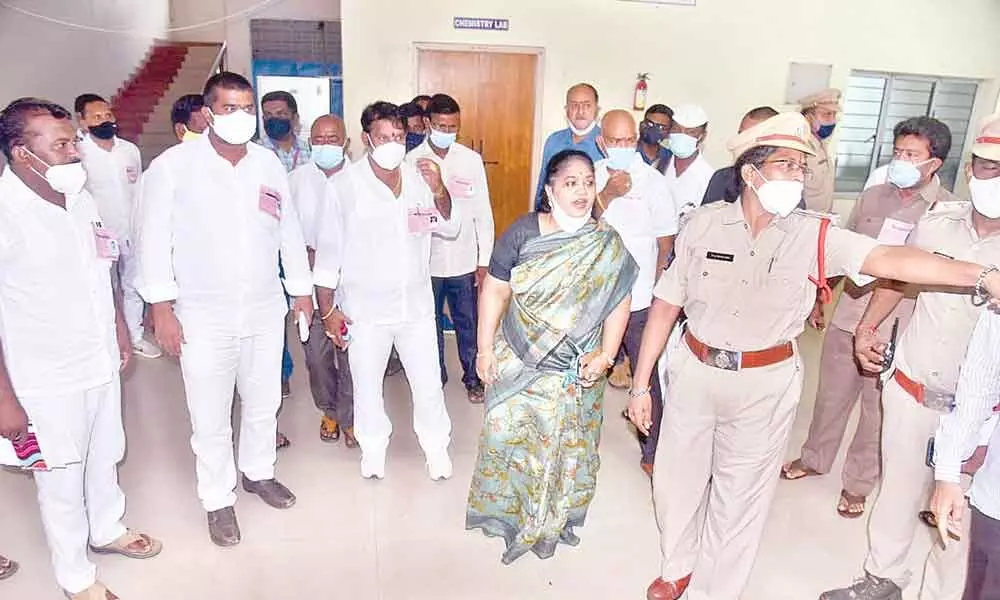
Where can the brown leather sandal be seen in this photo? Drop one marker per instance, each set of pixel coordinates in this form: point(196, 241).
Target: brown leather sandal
point(95, 592)
point(797, 470)
point(850, 506)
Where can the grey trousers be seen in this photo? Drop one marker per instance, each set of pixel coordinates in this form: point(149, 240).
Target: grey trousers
point(983, 579)
point(329, 376)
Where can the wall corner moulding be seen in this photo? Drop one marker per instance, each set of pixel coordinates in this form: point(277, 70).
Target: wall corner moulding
point(674, 2)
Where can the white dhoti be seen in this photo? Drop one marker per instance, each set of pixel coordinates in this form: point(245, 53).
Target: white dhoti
point(212, 363)
point(133, 306)
point(80, 502)
point(416, 343)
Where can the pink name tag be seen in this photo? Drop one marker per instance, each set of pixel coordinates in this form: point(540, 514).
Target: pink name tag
point(106, 243)
point(270, 201)
point(422, 220)
point(460, 187)
point(132, 173)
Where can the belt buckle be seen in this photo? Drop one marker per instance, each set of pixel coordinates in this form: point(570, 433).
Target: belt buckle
point(937, 401)
point(727, 360)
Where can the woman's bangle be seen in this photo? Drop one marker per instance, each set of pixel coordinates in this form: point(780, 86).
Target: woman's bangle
point(328, 313)
point(980, 292)
point(637, 393)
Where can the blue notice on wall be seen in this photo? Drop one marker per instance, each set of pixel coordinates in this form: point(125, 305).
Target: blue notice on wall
point(481, 23)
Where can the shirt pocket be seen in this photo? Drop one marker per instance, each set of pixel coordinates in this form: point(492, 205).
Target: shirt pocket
point(787, 288)
point(711, 275)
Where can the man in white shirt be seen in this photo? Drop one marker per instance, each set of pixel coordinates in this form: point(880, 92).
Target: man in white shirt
point(63, 343)
point(635, 200)
point(114, 168)
point(458, 266)
point(688, 173)
point(329, 372)
point(217, 213)
point(374, 250)
point(958, 435)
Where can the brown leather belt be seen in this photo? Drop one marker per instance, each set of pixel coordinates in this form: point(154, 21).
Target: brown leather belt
point(731, 360)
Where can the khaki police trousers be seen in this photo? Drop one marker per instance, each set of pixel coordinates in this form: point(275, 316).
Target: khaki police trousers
point(730, 427)
point(841, 385)
point(907, 485)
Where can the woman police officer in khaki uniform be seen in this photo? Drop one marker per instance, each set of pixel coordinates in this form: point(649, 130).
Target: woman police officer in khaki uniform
point(745, 275)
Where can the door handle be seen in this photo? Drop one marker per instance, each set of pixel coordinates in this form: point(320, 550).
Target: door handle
point(482, 153)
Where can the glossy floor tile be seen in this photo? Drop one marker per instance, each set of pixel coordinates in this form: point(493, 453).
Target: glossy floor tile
point(403, 538)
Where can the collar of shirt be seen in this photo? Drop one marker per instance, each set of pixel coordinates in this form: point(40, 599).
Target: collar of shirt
point(662, 155)
point(565, 138)
point(733, 215)
point(88, 141)
point(297, 156)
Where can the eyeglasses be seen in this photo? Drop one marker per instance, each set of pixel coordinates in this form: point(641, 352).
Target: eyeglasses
point(654, 125)
point(912, 156)
point(789, 167)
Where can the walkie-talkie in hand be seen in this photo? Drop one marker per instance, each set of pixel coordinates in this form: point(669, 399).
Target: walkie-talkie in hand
point(890, 350)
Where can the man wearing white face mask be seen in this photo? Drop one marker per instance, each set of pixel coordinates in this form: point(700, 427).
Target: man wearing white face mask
point(374, 251)
point(922, 381)
point(217, 215)
point(63, 340)
point(458, 266)
point(635, 200)
point(582, 107)
point(688, 173)
point(329, 372)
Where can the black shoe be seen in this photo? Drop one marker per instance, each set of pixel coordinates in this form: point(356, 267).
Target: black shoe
point(223, 527)
point(476, 393)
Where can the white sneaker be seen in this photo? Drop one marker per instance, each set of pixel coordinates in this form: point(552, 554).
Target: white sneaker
point(146, 349)
point(439, 465)
point(372, 465)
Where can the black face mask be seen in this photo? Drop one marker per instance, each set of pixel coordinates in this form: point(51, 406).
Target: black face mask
point(651, 135)
point(277, 128)
point(104, 131)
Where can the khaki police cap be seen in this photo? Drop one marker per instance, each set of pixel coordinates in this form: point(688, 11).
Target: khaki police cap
point(987, 144)
point(829, 98)
point(786, 130)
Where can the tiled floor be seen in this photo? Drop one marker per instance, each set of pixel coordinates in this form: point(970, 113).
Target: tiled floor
point(403, 538)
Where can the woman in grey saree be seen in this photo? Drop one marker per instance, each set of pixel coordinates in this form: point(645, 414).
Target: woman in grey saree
point(561, 283)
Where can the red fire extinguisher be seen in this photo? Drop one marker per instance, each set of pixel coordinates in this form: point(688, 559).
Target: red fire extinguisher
point(639, 101)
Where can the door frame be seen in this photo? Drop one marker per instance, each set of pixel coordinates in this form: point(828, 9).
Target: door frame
point(538, 52)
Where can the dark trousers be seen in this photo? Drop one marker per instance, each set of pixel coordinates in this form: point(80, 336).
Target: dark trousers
point(633, 338)
point(461, 294)
point(329, 375)
point(983, 579)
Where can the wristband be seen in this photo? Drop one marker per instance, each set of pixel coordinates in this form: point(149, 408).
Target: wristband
point(638, 393)
point(328, 313)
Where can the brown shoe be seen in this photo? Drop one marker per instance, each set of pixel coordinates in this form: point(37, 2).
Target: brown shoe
point(647, 468)
point(223, 528)
point(329, 431)
point(349, 440)
point(667, 590)
point(270, 491)
point(476, 393)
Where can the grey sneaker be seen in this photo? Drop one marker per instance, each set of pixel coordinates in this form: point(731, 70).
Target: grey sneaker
point(868, 587)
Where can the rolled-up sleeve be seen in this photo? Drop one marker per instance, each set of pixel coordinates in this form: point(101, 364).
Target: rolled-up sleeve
point(846, 253)
point(978, 392)
point(294, 260)
point(155, 229)
point(672, 285)
point(329, 239)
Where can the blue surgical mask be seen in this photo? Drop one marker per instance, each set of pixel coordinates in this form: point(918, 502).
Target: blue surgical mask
point(904, 174)
point(413, 140)
point(825, 131)
point(327, 156)
point(683, 145)
point(620, 158)
point(441, 139)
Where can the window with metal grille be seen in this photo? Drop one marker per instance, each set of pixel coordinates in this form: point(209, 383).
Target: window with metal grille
point(875, 102)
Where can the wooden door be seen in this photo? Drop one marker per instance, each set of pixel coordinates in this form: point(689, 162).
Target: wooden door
point(496, 92)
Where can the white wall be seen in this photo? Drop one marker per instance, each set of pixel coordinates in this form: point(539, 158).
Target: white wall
point(58, 63)
point(236, 32)
point(728, 55)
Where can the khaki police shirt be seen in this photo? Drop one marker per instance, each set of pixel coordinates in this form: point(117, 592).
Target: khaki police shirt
point(819, 182)
point(869, 217)
point(932, 348)
point(745, 294)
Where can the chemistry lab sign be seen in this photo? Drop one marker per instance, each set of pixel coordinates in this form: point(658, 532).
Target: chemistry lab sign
point(482, 24)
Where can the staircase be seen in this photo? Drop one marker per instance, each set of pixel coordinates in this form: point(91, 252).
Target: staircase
point(143, 104)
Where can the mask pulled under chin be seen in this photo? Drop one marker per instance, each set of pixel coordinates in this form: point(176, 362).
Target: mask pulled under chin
point(66, 179)
point(565, 221)
point(582, 132)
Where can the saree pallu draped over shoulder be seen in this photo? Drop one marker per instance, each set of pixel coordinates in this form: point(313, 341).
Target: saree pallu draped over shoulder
point(537, 467)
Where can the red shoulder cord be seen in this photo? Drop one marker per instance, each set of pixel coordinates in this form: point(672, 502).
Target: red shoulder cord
point(823, 290)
